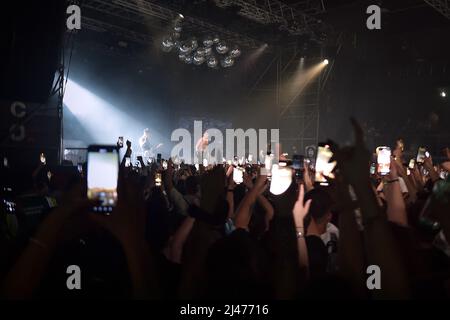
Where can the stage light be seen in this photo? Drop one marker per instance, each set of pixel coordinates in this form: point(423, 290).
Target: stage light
point(443, 94)
point(236, 52)
point(222, 48)
point(212, 61)
point(325, 61)
point(181, 16)
point(90, 111)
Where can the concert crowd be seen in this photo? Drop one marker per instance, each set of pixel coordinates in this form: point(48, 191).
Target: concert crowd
point(180, 231)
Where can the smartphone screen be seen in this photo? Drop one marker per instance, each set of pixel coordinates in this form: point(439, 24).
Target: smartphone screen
point(158, 179)
point(297, 162)
point(281, 179)
point(411, 164)
point(102, 175)
point(80, 168)
point(421, 154)
point(120, 142)
point(238, 175)
point(384, 160)
point(42, 158)
point(324, 168)
point(127, 161)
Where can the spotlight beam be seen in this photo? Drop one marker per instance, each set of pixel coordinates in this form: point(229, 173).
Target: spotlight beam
point(310, 74)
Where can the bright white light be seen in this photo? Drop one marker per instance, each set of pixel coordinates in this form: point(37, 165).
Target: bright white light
point(443, 94)
point(325, 61)
point(103, 121)
point(181, 16)
point(281, 179)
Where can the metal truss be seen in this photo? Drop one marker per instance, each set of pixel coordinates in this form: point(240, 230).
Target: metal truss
point(150, 15)
point(442, 6)
point(299, 124)
point(101, 26)
point(296, 20)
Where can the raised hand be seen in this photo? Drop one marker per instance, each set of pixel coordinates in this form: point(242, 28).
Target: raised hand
point(127, 221)
point(300, 209)
point(353, 162)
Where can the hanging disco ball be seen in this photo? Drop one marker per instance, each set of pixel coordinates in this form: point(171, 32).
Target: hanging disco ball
point(221, 48)
point(177, 28)
point(185, 48)
point(208, 51)
point(227, 62)
point(198, 60)
point(235, 52)
point(201, 51)
point(208, 42)
point(194, 44)
point(212, 62)
point(216, 39)
point(188, 59)
point(167, 44)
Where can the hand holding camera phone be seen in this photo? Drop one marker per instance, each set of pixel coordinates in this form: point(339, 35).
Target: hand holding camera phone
point(102, 177)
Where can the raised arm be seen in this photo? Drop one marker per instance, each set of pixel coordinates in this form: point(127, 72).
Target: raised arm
point(299, 212)
point(396, 209)
point(243, 213)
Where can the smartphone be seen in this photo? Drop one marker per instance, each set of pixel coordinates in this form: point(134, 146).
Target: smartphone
point(238, 175)
point(164, 165)
point(102, 175)
point(127, 162)
point(268, 165)
point(250, 158)
point(324, 167)
point(158, 179)
point(120, 142)
point(373, 168)
point(158, 158)
point(411, 164)
point(42, 158)
point(297, 161)
point(384, 160)
point(205, 163)
point(281, 179)
point(297, 165)
point(80, 168)
point(421, 155)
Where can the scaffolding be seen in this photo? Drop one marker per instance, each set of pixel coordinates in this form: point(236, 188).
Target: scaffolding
point(149, 15)
point(441, 6)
